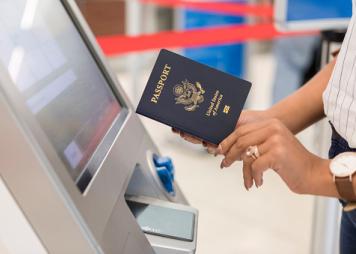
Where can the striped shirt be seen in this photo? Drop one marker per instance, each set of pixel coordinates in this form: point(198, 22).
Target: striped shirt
point(340, 95)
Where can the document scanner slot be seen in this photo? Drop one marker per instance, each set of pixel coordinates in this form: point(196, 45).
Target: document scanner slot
point(154, 177)
point(168, 226)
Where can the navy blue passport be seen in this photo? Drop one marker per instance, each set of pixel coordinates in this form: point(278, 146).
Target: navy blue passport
point(193, 97)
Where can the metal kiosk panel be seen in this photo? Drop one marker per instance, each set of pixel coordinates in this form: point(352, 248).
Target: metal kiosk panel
point(72, 143)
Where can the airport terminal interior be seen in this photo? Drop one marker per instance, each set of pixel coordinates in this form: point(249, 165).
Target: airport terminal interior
point(71, 183)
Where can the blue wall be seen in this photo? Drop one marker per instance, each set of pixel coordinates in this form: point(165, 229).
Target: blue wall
point(228, 58)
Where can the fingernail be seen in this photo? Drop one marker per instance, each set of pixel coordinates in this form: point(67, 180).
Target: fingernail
point(225, 163)
point(211, 150)
point(222, 165)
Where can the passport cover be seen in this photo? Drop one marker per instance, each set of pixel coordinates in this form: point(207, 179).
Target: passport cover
point(193, 97)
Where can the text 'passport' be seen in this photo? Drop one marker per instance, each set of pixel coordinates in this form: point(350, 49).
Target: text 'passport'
point(193, 97)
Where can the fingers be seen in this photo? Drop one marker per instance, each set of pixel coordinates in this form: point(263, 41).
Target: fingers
point(241, 131)
point(249, 116)
point(191, 138)
point(240, 146)
point(253, 169)
point(247, 173)
point(242, 118)
point(211, 148)
point(264, 162)
point(188, 137)
point(259, 166)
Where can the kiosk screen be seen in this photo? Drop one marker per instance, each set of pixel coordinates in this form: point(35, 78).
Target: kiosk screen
point(56, 78)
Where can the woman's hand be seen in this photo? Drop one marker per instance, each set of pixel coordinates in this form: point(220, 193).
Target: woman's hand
point(194, 140)
point(279, 150)
point(245, 117)
point(187, 137)
point(250, 116)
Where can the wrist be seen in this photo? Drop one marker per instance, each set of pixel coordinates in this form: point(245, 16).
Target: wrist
point(321, 181)
point(281, 112)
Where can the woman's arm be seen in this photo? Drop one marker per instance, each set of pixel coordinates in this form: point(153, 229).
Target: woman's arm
point(273, 131)
point(302, 171)
point(305, 106)
point(296, 112)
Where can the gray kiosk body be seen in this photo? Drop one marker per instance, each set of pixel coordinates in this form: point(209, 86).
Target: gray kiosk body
point(72, 148)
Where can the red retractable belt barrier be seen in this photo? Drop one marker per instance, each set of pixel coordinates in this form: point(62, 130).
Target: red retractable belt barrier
point(227, 8)
point(120, 44)
point(115, 45)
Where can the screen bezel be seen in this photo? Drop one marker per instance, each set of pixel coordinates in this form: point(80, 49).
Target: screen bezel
point(93, 165)
point(96, 204)
point(282, 24)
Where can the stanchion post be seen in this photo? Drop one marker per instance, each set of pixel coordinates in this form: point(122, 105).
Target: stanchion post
point(134, 28)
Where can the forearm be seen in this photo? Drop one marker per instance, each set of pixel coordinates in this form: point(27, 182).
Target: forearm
point(305, 106)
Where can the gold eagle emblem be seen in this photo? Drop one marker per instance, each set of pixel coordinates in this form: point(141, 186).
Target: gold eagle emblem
point(188, 94)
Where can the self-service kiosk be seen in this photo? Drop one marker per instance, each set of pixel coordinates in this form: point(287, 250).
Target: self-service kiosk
point(74, 155)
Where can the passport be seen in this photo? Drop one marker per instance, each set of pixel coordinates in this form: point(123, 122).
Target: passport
point(192, 97)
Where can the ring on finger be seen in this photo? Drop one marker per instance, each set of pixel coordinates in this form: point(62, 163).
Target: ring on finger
point(253, 152)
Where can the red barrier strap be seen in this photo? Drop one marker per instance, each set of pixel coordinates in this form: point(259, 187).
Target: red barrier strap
point(115, 45)
point(239, 9)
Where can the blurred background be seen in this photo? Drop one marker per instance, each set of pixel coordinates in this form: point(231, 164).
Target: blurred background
point(232, 220)
point(266, 220)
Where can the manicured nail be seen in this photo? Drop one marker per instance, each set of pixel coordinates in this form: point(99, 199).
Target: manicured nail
point(222, 165)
